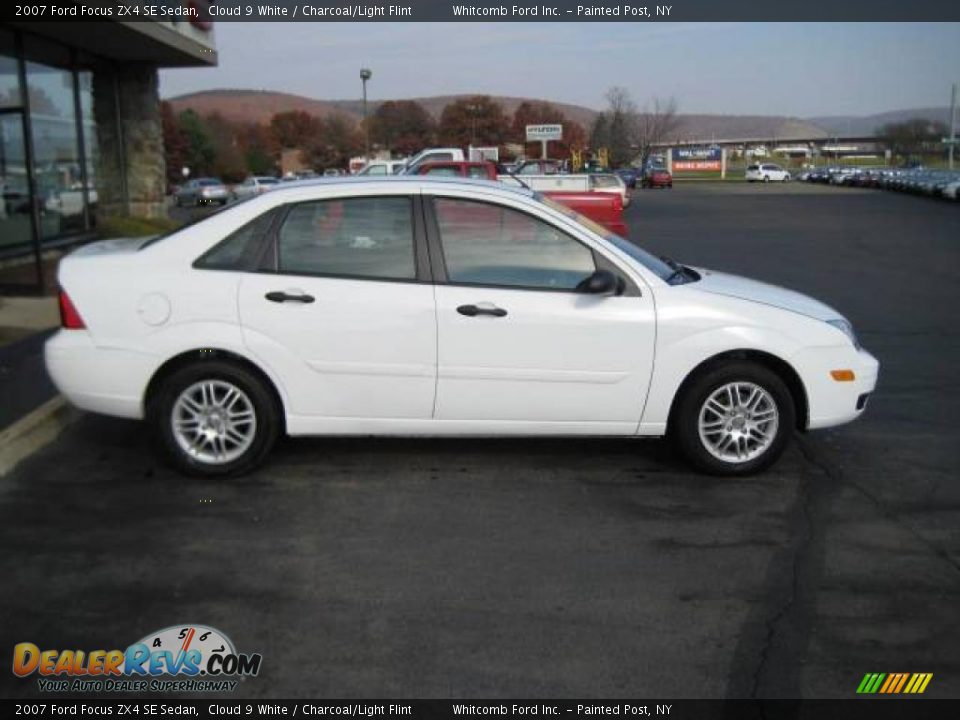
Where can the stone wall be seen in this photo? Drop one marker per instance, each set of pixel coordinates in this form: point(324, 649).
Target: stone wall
point(131, 175)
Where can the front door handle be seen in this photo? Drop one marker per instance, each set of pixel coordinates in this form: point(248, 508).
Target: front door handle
point(482, 309)
point(280, 296)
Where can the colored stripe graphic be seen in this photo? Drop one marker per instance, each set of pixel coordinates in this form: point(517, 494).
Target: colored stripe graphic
point(894, 683)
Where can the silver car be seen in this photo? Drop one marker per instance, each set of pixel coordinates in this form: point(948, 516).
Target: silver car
point(200, 191)
point(254, 185)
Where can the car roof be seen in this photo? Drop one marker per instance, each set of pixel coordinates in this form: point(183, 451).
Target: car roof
point(418, 181)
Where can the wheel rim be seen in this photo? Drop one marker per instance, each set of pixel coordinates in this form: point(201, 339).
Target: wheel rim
point(738, 422)
point(214, 421)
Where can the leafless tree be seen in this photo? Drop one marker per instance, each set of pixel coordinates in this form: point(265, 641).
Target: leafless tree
point(653, 125)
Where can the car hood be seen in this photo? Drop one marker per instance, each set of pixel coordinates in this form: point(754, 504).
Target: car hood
point(759, 292)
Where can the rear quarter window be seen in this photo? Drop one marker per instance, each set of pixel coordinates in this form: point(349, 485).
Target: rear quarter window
point(240, 249)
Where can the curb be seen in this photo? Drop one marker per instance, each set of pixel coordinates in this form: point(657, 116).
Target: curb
point(34, 431)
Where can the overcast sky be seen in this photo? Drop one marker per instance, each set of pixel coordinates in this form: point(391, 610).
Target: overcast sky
point(752, 68)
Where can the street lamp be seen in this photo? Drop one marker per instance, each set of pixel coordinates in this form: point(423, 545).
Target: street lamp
point(474, 110)
point(365, 74)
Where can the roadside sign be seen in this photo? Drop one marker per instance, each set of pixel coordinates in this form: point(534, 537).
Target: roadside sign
point(947, 141)
point(693, 159)
point(544, 132)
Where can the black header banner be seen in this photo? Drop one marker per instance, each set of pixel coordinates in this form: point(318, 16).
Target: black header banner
point(638, 11)
point(853, 709)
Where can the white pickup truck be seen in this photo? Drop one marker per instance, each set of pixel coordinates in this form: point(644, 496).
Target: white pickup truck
point(432, 155)
point(584, 182)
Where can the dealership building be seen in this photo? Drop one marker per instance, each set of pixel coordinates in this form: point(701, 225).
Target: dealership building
point(80, 130)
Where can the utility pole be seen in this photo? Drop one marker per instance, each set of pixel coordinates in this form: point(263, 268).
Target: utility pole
point(365, 75)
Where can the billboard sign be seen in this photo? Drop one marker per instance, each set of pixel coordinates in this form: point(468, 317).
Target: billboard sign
point(544, 132)
point(696, 159)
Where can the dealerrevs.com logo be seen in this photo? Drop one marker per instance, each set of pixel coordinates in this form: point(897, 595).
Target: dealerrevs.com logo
point(180, 658)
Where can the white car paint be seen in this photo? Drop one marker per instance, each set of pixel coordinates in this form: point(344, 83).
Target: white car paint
point(396, 358)
point(382, 167)
point(766, 172)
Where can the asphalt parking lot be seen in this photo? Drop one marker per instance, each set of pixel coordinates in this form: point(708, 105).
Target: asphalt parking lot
point(517, 568)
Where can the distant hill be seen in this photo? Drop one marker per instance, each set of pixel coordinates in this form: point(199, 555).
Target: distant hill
point(260, 105)
point(868, 124)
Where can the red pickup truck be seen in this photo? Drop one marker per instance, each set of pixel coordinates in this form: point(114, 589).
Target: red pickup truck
point(605, 209)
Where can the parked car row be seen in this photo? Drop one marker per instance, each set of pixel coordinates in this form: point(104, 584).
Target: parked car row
point(919, 181)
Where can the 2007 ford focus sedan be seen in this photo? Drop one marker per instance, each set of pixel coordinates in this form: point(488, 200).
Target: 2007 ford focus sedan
point(415, 306)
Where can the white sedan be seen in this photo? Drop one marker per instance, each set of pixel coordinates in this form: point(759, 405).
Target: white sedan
point(430, 306)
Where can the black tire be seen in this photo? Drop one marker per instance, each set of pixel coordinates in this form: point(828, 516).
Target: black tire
point(766, 178)
point(684, 429)
point(267, 415)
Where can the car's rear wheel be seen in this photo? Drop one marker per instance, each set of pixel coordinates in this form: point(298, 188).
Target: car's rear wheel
point(735, 419)
point(214, 419)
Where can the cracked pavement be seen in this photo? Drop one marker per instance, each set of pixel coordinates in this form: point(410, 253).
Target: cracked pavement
point(519, 568)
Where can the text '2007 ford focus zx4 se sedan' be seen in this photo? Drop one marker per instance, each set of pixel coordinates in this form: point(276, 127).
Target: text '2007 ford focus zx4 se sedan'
point(417, 306)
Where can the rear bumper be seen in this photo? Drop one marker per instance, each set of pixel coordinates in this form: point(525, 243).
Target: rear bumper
point(831, 402)
point(101, 380)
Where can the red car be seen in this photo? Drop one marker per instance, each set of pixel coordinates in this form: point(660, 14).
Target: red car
point(657, 177)
point(603, 208)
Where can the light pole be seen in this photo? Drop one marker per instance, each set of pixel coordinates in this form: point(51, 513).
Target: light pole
point(365, 75)
point(474, 112)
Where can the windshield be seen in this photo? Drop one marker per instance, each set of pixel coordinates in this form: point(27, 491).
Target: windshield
point(651, 262)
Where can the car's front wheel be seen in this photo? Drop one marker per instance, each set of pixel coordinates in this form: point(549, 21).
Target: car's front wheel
point(214, 418)
point(734, 419)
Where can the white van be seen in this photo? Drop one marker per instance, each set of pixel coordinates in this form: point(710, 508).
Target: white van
point(765, 172)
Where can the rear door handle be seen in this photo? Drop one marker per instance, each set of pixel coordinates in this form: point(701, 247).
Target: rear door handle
point(482, 309)
point(280, 296)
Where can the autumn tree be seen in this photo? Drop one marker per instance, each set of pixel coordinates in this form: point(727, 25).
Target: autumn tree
point(401, 126)
point(477, 120)
point(228, 162)
point(653, 125)
point(294, 129)
point(174, 143)
point(259, 148)
point(199, 151)
point(338, 139)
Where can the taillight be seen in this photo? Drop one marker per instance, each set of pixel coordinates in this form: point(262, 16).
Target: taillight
point(69, 317)
point(617, 202)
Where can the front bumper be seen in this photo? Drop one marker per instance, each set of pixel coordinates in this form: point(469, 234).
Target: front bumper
point(831, 402)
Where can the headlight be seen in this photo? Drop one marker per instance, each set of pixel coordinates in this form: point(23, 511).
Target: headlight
point(846, 328)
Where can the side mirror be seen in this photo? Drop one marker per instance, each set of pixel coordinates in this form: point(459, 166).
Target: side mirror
point(601, 282)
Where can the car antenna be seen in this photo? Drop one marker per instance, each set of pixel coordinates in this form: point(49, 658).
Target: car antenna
point(522, 183)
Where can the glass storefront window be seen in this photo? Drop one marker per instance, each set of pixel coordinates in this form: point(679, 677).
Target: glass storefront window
point(9, 80)
point(56, 156)
point(15, 224)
